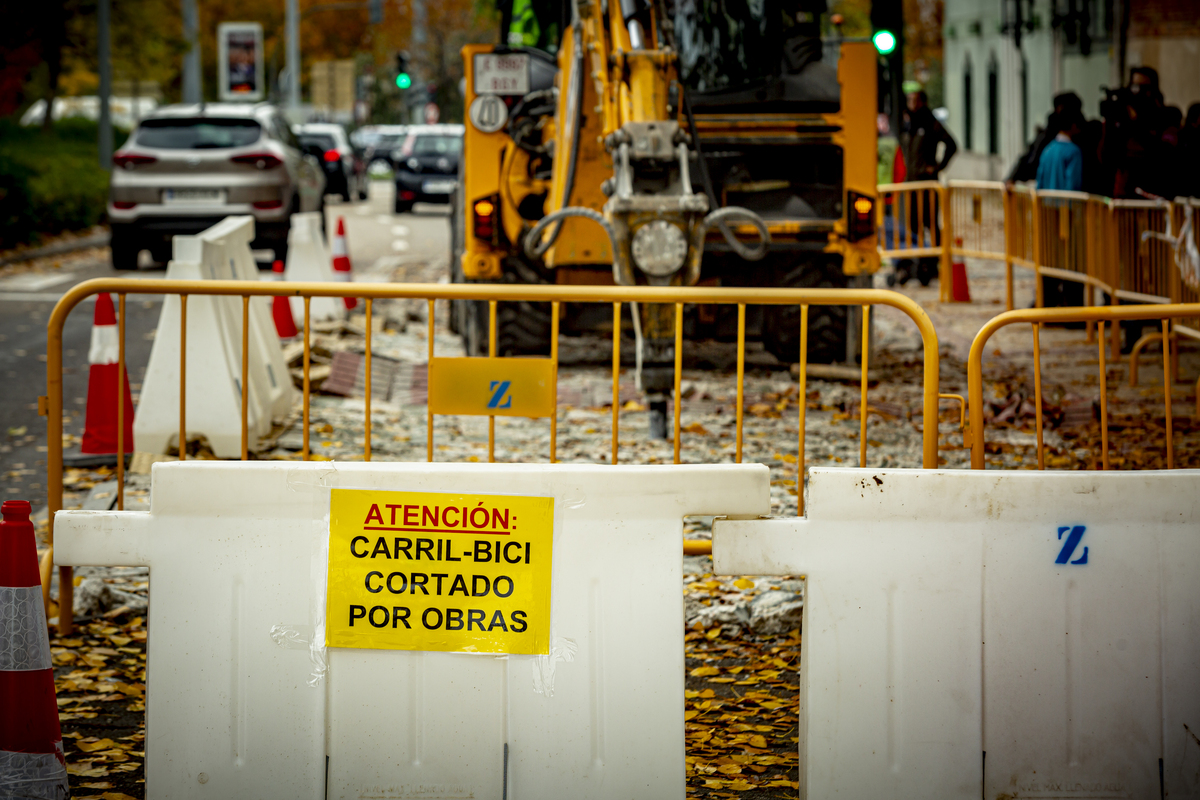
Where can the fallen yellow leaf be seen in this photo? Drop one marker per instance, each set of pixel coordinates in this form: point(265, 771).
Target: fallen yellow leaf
point(744, 583)
point(91, 747)
point(700, 672)
point(86, 770)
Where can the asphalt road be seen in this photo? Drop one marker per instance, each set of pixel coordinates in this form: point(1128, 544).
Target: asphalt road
point(379, 241)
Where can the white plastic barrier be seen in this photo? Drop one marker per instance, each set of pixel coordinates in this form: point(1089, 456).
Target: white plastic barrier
point(237, 557)
point(214, 351)
point(950, 615)
point(308, 259)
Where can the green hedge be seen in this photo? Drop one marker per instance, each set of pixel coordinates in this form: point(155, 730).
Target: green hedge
point(50, 181)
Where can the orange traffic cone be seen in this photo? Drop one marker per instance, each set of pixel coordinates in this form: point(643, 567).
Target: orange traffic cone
point(31, 749)
point(341, 260)
point(100, 429)
point(285, 325)
point(960, 290)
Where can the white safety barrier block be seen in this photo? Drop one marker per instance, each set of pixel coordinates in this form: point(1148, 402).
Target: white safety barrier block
point(958, 638)
point(214, 351)
point(308, 259)
point(243, 701)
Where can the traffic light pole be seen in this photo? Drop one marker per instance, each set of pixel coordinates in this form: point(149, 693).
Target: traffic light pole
point(887, 24)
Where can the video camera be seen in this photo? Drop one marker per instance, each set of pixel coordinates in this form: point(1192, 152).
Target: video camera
point(1119, 102)
point(1115, 105)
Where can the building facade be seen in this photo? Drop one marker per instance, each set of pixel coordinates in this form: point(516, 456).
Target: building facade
point(1005, 60)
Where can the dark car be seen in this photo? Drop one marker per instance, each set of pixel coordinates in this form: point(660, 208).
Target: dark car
point(381, 146)
point(344, 171)
point(427, 165)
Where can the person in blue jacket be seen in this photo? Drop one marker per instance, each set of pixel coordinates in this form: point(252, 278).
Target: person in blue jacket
point(1061, 164)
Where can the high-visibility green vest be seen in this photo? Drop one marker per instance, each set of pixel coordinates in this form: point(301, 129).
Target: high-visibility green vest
point(524, 29)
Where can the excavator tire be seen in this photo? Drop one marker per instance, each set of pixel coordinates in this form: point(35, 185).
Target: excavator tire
point(826, 324)
point(522, 328)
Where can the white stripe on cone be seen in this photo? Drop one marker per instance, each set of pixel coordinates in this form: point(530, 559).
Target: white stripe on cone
point(24, 639)
point(33, 775)
point(104, 349)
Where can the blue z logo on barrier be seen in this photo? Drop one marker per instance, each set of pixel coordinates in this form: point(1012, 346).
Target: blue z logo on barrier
point(1068, 548)
point(500, 396)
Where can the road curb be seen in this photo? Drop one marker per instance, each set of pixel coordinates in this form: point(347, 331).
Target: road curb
point(57, 249)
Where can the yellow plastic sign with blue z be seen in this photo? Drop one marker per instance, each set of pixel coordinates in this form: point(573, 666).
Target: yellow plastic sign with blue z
point(506, 387)
point(455, 572)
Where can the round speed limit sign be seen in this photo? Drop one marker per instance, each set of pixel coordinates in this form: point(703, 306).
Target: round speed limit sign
point(488, 113)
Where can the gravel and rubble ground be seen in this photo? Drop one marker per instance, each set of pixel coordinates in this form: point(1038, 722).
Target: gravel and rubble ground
point(742, 637)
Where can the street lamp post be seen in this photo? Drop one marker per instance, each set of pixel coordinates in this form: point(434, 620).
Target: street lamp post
point(191, 59)
point(293, 55)
point(104, 55)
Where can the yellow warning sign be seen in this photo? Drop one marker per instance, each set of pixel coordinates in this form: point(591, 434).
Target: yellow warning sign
point(439, 571)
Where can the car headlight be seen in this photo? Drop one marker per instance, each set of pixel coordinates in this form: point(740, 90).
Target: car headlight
point(659, 248)
point(413, 164)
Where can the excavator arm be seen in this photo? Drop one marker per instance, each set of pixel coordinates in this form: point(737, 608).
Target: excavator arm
point(652, 215)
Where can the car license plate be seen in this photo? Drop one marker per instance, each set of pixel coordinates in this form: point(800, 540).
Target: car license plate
point(438, 187)
point(193, 196)
point(501, 74)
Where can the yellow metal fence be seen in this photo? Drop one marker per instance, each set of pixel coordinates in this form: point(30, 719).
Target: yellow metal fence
point(1131, 251)
point(52, 404)
point(1165, 314)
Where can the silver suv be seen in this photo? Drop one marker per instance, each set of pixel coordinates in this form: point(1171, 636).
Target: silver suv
point(187, 167)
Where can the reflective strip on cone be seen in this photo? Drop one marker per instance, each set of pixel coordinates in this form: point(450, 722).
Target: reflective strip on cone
point(32, 763)
point(38, 776)
point(104, 349)
point(24, 638)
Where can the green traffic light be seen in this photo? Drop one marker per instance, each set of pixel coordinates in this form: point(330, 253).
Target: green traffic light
point(403, 80)
point(884, 41)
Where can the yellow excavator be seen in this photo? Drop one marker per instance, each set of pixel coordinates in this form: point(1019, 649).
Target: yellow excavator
point(666, 143)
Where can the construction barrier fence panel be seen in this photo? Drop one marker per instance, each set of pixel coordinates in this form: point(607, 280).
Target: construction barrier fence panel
point(1008, 634)
point(214, 351)
point(617, 297)
point(245, 700)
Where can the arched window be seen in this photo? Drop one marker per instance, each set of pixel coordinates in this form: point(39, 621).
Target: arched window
point(993, 104)
point(968, 105)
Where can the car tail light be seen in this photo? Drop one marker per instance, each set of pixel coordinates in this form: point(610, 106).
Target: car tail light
point(266, 205)
point(486, 213)
point(332, 155)
point(258, 160)
point(132, 160)
point(124, 205)
point(862, 216)
point(407, 194)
